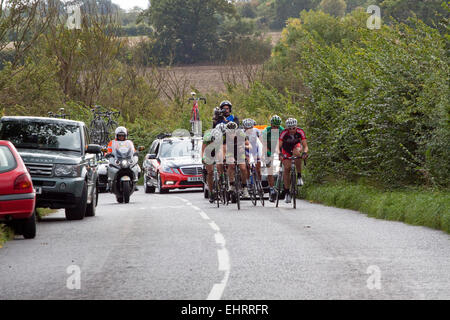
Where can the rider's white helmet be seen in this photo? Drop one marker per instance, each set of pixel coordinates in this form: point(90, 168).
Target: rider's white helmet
point(121, 130)
point(248, 123)
point(291, 123)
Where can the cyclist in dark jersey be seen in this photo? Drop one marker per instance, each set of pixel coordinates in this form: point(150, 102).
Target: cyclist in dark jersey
point(209, 158)
point(292, 143)
point(236, 152)
point(268, 140)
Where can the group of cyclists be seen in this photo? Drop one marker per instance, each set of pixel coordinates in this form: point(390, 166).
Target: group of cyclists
point(234, 145)
point(228, 145)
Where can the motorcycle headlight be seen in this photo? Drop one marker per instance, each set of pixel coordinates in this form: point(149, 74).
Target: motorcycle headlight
point(62, 170)
point(124, 163)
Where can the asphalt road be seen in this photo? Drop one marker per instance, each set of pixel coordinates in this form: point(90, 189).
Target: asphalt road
point(178, 246)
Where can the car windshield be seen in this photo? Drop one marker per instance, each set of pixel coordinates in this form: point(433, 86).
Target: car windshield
point(175, 149)
point(42, 135)
point(7, 161)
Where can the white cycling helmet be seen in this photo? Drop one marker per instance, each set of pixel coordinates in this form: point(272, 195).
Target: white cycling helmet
point(248, 123)
point(222, 127)
point(121, 130)
point(291, 123)
point(216, 133)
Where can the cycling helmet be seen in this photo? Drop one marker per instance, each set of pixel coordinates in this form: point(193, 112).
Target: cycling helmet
point(232, 125)
point(275, 121)
point(222, 127)
point(226, 103)
point(248, 123)
point(291, 123)
point(121, 130)
point(216, 133)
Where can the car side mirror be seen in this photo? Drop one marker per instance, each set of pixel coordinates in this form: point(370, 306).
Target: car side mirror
point(152, 157)
point(93, 148)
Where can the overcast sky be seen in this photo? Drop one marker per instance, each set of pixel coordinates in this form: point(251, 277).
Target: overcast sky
point(128, 4)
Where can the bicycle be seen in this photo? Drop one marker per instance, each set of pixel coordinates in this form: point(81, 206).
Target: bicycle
point(195, 113)
point(220, 187)
point(256, 190)
point(293, 187)
point(101, 130)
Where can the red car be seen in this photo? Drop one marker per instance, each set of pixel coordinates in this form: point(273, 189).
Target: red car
point(17, 195)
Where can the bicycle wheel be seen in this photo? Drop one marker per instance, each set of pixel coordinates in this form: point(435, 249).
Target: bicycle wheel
point(260, 191)
point(294, 188)
point(216, 191)
point(225, 188)
point(237, 185)
point(253, 187)
point(278, 186)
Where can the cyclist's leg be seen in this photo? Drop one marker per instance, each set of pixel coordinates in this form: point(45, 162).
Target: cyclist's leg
point(298, 153)
point(298, 163)
point(210, 177)
point(287, 170)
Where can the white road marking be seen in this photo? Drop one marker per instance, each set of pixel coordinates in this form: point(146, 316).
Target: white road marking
point(219, 238)
point(222, 254)
point(214, 226)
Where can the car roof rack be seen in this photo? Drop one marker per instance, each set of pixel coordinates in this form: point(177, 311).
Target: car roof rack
point(163, 135)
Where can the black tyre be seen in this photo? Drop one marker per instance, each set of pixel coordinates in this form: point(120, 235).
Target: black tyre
point(79, 212)
point(205, 193)
point(119, 199)
point(126, 191)
point(28, 226)
point(91, 208)
point(217, 192)
point(278, 189)
point(237, 185)
point(260, 191)
point(294, 191)
point(253, 192)
point(160, 188)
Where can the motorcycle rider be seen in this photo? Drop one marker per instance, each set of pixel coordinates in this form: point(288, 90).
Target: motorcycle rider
point(121, 140)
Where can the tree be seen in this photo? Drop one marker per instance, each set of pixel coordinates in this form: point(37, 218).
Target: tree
point(424, 10)
point(186, 30)
point(285, 9)
point(334, 7)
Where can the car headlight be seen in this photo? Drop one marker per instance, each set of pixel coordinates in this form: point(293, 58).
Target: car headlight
point(62, 170)
point(167, 170)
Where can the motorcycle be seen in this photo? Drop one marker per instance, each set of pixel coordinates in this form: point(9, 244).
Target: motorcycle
point(123, 172)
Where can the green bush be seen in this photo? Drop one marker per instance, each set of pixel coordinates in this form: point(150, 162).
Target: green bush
point(413, 206)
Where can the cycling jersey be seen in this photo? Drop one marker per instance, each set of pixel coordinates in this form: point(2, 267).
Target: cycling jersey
point(267, 138)
point(237, 146)
point(253, 137)
point(289, 142)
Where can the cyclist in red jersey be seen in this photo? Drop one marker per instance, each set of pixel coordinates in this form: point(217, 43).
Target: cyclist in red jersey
point(292, 143)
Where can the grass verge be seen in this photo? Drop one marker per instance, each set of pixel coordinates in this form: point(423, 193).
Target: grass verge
point(419, 207)
point(6, 234)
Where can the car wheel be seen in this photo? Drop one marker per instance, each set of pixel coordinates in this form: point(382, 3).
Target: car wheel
point(160, 188)
point(28, 227)
point(79, 211)
point(90, 210)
